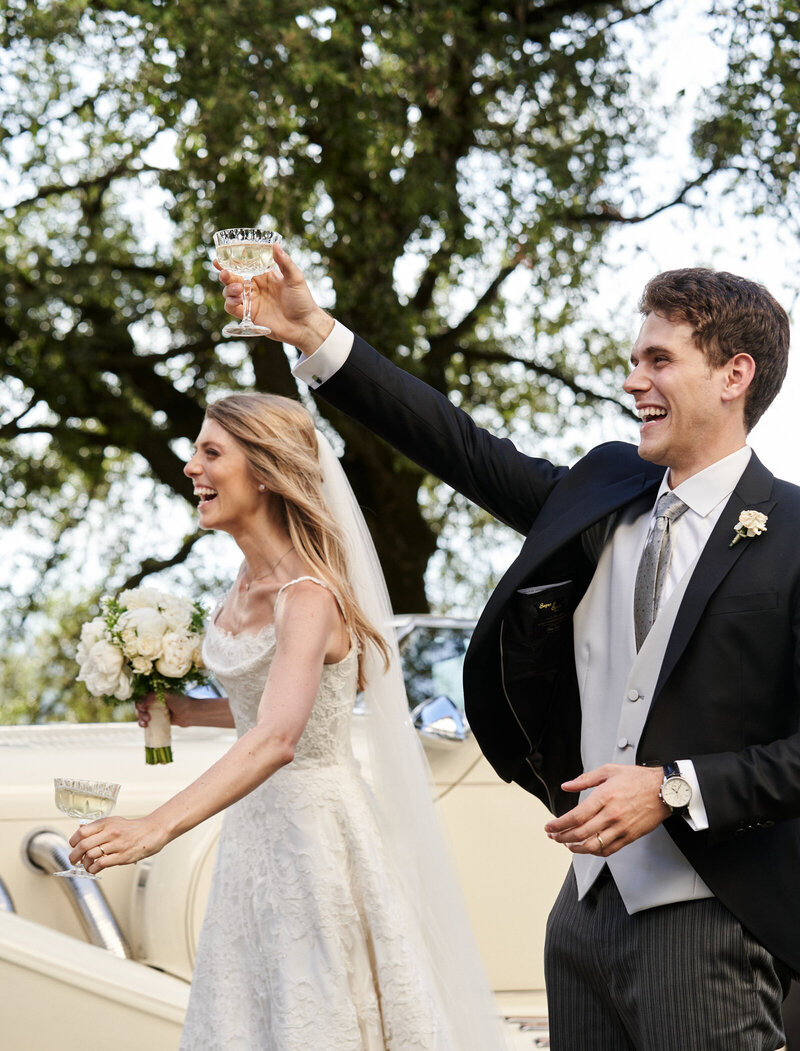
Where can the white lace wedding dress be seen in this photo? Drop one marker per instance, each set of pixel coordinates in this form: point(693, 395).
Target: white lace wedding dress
point(306, 942)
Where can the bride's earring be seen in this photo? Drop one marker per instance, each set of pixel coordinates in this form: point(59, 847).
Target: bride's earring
point(261, 487)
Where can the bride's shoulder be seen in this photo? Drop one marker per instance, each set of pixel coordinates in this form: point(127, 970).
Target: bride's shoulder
point(307, 597)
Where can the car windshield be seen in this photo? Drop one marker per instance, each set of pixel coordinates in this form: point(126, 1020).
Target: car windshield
point(433, 659)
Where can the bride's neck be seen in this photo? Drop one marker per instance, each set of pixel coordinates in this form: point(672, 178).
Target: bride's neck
point(262, 552)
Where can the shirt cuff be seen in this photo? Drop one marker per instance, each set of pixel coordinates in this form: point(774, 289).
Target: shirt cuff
point(696, 818)
point(327, 359)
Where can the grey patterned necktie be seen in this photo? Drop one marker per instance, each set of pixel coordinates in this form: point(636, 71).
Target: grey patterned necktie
point(654, 565)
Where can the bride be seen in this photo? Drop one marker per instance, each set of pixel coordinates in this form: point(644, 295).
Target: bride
point(333, 920)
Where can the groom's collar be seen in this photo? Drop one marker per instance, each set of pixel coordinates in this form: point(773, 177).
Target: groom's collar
point(704, 491)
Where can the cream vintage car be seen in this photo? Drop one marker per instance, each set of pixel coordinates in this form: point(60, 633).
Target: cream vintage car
point(116, 955)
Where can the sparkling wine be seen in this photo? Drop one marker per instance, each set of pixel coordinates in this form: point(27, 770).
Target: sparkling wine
point(81, 804)
point(86, 801)
point(246, 258)
point(246, 251)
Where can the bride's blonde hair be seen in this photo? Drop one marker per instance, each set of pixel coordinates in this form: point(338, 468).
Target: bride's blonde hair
point(280, 442)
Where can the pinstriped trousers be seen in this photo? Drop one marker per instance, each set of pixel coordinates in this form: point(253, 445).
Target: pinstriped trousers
point(682, 977)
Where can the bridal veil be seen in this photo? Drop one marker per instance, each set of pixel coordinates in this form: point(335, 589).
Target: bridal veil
point(399, 776)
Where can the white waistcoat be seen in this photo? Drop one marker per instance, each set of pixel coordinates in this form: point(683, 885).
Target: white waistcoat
point(616, 687)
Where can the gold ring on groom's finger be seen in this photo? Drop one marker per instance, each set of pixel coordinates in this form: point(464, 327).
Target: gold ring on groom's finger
point(597, 834)
point(104, 853)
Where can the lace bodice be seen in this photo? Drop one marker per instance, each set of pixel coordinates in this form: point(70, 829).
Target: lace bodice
point(241, 663)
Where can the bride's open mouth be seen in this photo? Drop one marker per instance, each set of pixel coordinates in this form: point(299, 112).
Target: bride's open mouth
point(205, 495)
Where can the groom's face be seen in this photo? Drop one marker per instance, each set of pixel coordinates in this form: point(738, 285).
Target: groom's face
point(680, 400)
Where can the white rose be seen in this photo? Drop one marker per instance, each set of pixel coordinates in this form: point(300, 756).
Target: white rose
point(177, 612)
point(124, 687)
point(149, 626)
point(102, 669)
point(141, 665)
point(140, 598)
point(130, 642)
point(177, 653)
point(91, 632)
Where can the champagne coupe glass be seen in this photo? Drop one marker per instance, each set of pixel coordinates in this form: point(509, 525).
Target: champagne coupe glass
point(86, 801)
point(246, 251)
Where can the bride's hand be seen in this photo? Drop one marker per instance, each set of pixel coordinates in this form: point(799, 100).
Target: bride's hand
point(114, 841)
point(281, 301)
point(177, 704)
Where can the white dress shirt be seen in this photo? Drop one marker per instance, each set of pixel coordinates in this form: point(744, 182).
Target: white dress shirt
point(705, 494)
point(327, 359)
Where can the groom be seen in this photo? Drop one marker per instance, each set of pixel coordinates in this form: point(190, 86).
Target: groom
point(637, 666)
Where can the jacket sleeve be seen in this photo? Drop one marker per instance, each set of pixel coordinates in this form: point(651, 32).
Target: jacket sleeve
point(427, 428)
point(741, 676)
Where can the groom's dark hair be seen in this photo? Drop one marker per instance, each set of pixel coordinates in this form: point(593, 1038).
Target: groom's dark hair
point(730, 315)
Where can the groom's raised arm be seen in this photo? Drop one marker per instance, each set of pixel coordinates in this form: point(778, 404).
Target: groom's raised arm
point(400, 408)
point(425, 426)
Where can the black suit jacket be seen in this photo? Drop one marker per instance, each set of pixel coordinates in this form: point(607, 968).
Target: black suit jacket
point(728, 695)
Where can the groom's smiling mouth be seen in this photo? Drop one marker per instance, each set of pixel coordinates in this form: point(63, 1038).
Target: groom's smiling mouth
point(650, 413)
point(204, 495)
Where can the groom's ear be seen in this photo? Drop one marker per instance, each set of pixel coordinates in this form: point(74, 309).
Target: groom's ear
point(739, 372)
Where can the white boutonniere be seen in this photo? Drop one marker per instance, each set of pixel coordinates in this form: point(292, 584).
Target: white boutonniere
point(751, 523)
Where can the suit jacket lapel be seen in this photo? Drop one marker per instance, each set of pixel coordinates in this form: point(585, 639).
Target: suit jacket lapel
point(753, 492)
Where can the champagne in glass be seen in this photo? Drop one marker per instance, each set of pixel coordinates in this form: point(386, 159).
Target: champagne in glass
point(246, 252)
point(86, 801)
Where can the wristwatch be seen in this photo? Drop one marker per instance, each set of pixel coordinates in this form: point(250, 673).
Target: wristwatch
point(675, 790)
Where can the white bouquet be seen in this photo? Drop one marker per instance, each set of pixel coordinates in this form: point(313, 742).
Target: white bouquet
point(144, 641)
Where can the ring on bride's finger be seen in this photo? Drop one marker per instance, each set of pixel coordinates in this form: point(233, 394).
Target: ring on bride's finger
point(597, 835)
point(99, 847)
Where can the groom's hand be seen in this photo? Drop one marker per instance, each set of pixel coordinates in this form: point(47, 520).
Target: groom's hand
point(623, 806)
point(282, 301)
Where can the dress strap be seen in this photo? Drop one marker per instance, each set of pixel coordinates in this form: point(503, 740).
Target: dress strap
point(315, 580)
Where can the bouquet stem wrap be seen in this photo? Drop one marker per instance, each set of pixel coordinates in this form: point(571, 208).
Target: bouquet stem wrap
point(158, 735)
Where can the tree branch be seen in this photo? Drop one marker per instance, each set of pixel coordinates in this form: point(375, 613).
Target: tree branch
point(565, 8)
point(10, 428)
point(155, 565)
point(607, 213)
point(626, 14)
point(102, 180)
point(433, 271)
point(443, 343)
point(477, 357)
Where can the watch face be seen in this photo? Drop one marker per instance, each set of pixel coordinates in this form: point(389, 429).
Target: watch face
point(676, 792)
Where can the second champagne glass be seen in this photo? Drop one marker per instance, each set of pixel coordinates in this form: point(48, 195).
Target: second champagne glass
point(86, 801)
point(247, 252)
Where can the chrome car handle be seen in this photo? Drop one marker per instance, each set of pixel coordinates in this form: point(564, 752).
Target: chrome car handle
point(46, 851)
point(441, 717)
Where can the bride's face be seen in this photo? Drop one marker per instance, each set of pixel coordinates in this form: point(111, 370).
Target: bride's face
point(222, 480)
